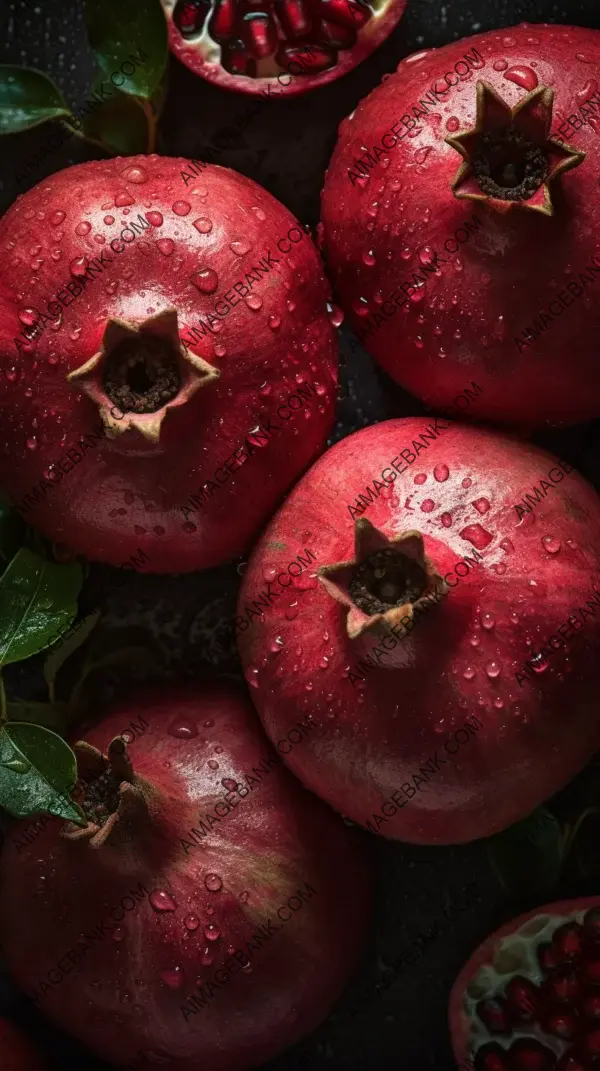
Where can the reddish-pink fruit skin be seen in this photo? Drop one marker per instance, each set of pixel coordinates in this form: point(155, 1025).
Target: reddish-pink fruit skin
point(16, 1053)
point(127, 492)
point(273, 842)
point(370, 36)
point(369, 737)
point(494, 285)
point(459, 1021)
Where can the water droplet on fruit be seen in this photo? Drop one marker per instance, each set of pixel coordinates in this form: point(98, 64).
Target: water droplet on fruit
point(538, 588)
point(478, 536)
point(441, 473)
point(492, 669)
point(499, 569)
point(481, 505)
point(420, 477)
point(214, 884)
point(83, 228)
point(162, 900)
point(361, 306)
point(500, 65)
point(183, 729)
point(165, 246)
point(254, 302)
point(240, 247)
point(487, 620)
point(522, 76)
point(109, 220)
point(212, 932)
point(203, 224)
point(469, 673)
point(368, 257)
point(446, 520)
point(551, 544)
point(336, 316)
point(78, 266)
point(32, 443)
point(181, 208)
point(427, 506)
point(213, 764)
point(452, 124)
point(507, 545)
point(206, 280)
point(118, 933)
point(173, 978)
point(56, 218)
point(155, 219)
point(191, 922)
point(538, 663)
point(274, 322)
point(123, 199)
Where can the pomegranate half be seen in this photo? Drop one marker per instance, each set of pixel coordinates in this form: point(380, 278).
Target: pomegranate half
point(211, 910)
point(529, 998)
point(399, 626)
point(277, 47)
point(460, 223)
point(168, 362)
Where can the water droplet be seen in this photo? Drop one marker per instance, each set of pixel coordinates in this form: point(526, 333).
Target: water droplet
point(507, 545)
point(109, 220)
point(500, 65)
point(274, 322)
point(446, 520)
point(240, 247)
point(135, 174)
point(220, 351)
point(427, 506)
point(492, 669)
point(361, 306)
point(499, 569)
point(173, 978)
point(78, 266)
point(336, 316)
point(469, 673)
point(165, 246)
point(181, 208)
point(203, 225)
point(551, 544)
point(252, 676)
point(522, 76)
point(162, 901)
point(481, 505)
point(441, 473)
point(191, 922)
point(118, 933)
point(368, 257)
point(213, 764)
point(254, 302)
point(155, 219)
point(212, 932)
point(56, 218)
point(487, 620)
point(214, 884)
point(183, 729)
point(538, 663)
point(206, 280)
point(452, 124)
point(476, 535)
point(83, 228)
point(123, 199)
point(420, 477)
point(466, 482)
point(32, 443)
point(537, 587)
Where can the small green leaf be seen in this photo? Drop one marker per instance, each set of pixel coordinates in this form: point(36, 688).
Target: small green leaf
point(37, 772)
point(55, 716)
point(39, 601)
point(112, 25)
point(28, 98)
point(57, 658)
point(120, 124)
point(527, 857)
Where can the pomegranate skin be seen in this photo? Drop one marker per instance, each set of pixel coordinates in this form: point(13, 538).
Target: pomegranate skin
point(523, 935)
point(16, 1053)
point(276, 840)
point(362, 731)
point(131, 491)
point(493, 283)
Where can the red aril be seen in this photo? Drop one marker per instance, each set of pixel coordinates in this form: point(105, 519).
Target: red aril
point(210, 912)
point(460, 234)
point(388, 689)
point(558, 1038)
point(16, 1053)
point(277, 47)
point(155, 321)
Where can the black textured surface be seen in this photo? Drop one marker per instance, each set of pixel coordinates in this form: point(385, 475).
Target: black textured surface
point(285, 146)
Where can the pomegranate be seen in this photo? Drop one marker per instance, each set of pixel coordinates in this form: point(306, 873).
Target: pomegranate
point(409, 670)
point(211, 909)
point(125, 420)
point(529, 997)
point(277, 47)
point(16, 1054)
point(460, 204)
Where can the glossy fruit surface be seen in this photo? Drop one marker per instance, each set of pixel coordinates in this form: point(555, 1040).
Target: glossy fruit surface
point(168, 362)
point(412, 667)
point(277, 47)
point(211, 910)
point(16, 1054)
point(560, 1035)
point(460, 216)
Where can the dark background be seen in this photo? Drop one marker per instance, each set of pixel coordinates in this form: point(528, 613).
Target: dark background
point(285, 147)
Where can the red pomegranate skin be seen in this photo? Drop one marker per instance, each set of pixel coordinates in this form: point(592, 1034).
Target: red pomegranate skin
point(380, 229)
point(365, 34)
point(124, 1000)
point(16, 1053)
point(128, 492)
point(526, 934)
point(364, 731)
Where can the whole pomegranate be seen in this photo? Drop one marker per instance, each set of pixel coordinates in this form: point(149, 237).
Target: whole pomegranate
point(529, 998)
point(460, 220)
point(168, 364)
point(414, 622)
point(211, 910)
point(16, 1053)
point(276, 47)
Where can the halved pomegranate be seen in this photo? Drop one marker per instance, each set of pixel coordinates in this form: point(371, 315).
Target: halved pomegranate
point(529, 997)
point(277, 46)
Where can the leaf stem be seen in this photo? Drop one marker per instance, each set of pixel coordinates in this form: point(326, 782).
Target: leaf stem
point(152, 119)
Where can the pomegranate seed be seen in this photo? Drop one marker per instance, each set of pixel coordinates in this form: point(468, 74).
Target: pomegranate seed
point(294, 18)
point(335, 34)
point(190, 15)
point(491, 1058)
point(569, 1062)
point(235, 59)
point(527, 1054)
point(348, 12)
point(310, 58)
point(259, 34)
point(591, 1006)
point(494, 1015)
point(589, 972)
point(591, 924)
point(223, 19)
point(568, 942)
point(561, 1024)
point(590, 1044)
point(562, 986)
point(546, 954)
point(522, 998)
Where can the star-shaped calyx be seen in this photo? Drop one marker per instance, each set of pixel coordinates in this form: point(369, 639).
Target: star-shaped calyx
point(509, 158)
point(113, 796)
point(140, 372)
point(384, 582)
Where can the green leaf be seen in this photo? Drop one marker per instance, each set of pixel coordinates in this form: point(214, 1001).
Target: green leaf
point(527, 857)
point(57, 658)
point(38, 600)
point(120, 124)
point(28, 98)
point(55, 716)
point(37, 772)
point(113, 26)
point(11, 531)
